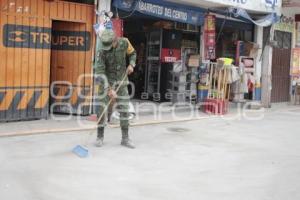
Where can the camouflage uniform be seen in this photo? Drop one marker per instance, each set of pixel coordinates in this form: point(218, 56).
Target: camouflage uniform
point(111, 62)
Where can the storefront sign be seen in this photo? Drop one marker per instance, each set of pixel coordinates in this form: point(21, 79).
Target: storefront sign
point(70, 40)
point(170, 55)
point(19, 36)
point(259, 5)
point(238, 1)
point(286, 24)
point(264, 6)
point(210, 37)
point(271, 3)
point(298, 34)
point(165, 10)
point(295, 69)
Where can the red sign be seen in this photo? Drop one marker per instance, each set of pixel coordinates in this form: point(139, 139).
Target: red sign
point(170, 55)
point(118, 26)
point(210, 37)
point(295, 69)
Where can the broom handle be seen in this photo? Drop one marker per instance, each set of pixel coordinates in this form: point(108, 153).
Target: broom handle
point(214, 81)
point(210, 80)
point(224, 83)
point(219, 83)
point(110, 101)
point(229, 91)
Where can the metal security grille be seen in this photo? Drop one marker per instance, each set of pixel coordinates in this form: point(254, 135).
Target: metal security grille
point(25, 55)
point(281, 67)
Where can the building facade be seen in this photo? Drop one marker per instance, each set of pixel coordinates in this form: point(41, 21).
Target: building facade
point(291, 23)
point(247, 13)
point(47, 46)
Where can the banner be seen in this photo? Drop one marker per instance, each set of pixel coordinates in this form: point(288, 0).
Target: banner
point(164, 10)
point(210, 37)
point(37, 37)
point(264, 22)
point(285, 24)
point(295, 69)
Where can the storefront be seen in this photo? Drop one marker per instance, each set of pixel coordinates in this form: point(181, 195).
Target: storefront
point(295, 66)
point(45, 46)
point(235, 40)
point(164, 35)
point(45, 42)
point(281, 59)
point(290, 24)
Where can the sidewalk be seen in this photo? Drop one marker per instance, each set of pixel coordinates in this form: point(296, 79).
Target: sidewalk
point(62, 123)
point(209, 159)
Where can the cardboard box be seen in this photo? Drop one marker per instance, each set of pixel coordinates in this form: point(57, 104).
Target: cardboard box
point(251, 49)
point(194, 61)
point(220, 63)
point(297, 90)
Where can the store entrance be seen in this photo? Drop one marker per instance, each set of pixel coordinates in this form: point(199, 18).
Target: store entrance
point(161, 47)
point(71, 54)
point(134, 31)
point(234, 41)
point(281, 67)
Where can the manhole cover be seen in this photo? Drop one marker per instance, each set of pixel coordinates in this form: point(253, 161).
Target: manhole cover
point(178, 129)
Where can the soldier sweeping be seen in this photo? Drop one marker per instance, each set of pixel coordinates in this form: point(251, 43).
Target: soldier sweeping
point(110, 61)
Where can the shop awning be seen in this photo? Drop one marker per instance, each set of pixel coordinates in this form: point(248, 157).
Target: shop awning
point(267, 20)
point(241, 14)
point(164, 10)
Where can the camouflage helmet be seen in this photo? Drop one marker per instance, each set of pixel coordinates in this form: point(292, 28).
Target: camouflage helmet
point(106, 39)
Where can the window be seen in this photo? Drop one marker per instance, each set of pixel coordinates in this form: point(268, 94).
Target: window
point(283, 39)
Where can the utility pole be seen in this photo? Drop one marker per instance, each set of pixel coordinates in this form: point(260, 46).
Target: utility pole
point(99, 5)
point(267, 71)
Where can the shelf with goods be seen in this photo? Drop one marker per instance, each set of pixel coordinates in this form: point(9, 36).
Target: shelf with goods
point(164, 48)
point(153, 63)
point(182, 87)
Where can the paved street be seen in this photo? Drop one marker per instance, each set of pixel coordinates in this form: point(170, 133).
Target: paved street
point(209, 159)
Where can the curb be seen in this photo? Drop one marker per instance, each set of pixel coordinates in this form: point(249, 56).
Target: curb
point(146, 123)
point(64, 130)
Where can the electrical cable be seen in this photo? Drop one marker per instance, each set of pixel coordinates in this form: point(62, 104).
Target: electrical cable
point(222, 26)
point(131, 13)
point(265, 44)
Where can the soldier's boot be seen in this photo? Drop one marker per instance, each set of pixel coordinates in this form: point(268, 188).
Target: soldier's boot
point(126, 142)
point(100, 137)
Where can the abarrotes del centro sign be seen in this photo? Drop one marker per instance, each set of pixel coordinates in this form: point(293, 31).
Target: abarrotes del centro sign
point(19, 36)
point(164, 10)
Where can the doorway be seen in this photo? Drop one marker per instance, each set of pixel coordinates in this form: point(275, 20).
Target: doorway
point(71, 56)
point(281, 67)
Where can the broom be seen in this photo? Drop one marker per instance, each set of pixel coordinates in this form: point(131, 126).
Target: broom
point(82, 150)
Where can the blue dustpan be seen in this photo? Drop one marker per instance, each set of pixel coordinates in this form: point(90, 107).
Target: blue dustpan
point(81, 151)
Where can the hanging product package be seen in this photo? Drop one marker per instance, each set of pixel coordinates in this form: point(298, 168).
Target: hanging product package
point(244, 84)
point(234, 74)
